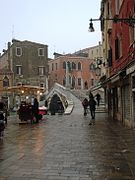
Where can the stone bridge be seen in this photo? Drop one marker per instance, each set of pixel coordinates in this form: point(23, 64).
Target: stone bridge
point(65, 96)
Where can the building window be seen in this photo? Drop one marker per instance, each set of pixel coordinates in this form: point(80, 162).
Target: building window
point(133, 82)
point(79, 66)
point(109, 57)
point(56, 66)
point(19, 70)
point(79, 81)
point(64, 81)
point(92, 82)
point(118, 5)
point(18, 51)
point(69, 66)
point(73, 65)
point(41, 52)
point(52, 66)
point(64, 65)
point(108, 10)
point(92, 67)
point(41, 85)
point(5, 82)
point(117, 48)
point(132, 34)
point(41, 71)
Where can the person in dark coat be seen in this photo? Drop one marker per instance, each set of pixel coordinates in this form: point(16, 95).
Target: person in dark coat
point(98, 98)
point(35, 110)
point(85, 104)
point(92, 106)
point(52, 107)
point(4, 108)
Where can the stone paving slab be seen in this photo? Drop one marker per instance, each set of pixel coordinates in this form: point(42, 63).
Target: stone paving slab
point(66, 148)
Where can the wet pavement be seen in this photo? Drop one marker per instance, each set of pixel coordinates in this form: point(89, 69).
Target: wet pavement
point(65, 147)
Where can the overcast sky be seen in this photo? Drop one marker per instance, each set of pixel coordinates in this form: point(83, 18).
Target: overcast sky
point(60, 24)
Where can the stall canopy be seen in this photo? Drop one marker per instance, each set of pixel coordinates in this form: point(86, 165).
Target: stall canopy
point(26, 89)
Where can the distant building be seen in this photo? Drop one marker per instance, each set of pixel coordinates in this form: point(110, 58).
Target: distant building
point(26, 62)
point(95, 53)
point(72, 71)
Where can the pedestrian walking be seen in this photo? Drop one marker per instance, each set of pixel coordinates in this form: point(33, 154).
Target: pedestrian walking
point(52, 107)
point(98, 98)
point(85, 104)
point(2, 125)
point(35, 110)
point(92, 106)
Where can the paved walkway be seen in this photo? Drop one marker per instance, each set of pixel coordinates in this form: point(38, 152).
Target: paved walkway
point(65, 147)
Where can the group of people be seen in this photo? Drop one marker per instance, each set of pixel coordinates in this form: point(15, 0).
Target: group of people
point(3, 117)
point(91, 104)
point(29, 111)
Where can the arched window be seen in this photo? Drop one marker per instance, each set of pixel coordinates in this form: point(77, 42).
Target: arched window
point(69, 66)
point(79, 66)
point(79, 81)
point(73, 65)
point(86, 85)
point(5, 82)
point(64, 81)
point(64, 65)
point(92, 66)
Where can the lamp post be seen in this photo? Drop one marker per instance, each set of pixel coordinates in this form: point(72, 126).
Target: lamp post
point(129, 21)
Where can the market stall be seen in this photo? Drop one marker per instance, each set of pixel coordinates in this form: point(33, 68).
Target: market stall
point(24, 95)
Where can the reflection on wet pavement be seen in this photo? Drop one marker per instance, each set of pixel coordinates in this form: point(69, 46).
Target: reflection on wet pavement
point(67, 148)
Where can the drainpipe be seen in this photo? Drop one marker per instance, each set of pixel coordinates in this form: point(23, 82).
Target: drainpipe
point(67, 76)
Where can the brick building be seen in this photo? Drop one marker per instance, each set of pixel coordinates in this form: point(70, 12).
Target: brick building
point(72, 71)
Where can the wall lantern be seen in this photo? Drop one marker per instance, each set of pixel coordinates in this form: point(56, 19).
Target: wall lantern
point(129, 21)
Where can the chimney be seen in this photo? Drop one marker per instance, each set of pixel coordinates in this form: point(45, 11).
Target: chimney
point(9, 44)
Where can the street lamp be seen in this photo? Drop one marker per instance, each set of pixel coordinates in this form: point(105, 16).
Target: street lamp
point(91, 28)
point(129, 21)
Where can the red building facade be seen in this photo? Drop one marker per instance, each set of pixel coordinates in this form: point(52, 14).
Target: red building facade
point(73, 72)
point(122, 36)
point(121, 61)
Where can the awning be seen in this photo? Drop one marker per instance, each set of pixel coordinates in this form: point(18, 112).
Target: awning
point(96, 88)
point(26, 89)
